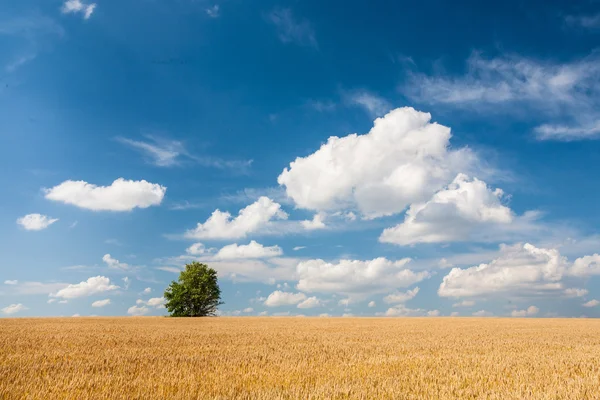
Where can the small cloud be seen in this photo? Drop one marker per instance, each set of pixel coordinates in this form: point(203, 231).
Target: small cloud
point(591, 303)
point(482, 313)
point(213, 11)
point(372, 304)
point(174, 270)
point(73, 225)
point(298, 248)
point(36, 222)
point(321, 106)
point(529, 312)
point(11, 282)
point(76, 6)
point(147, 290)
point(584, 21)
point(101, 303)
point(316, 223)
point(376, 106)
point(137, 311)
point(13, 309)
point(248, 310)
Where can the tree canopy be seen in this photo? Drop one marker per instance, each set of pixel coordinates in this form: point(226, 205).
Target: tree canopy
point(196, 294)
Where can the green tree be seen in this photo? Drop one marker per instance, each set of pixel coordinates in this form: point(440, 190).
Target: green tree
point(197, 293)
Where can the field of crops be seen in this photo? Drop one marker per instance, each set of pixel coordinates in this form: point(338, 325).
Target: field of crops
point(299, 358)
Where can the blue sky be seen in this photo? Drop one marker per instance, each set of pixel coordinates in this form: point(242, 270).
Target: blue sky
point(347, 158)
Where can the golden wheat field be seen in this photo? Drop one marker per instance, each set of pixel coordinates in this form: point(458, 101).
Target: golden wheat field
point(299, 358)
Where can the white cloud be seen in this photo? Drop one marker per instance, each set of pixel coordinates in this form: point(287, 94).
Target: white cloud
point(251, 250)
point(50, 301)
point(524, 269)
point(147, 290)
point(575, 292)
point(13, 309)
point(94, 285)
point(433, 313)
point(561, 91)
point(454, 314)
point(279, 298)
point(127, 282)
point(591, 303)
point(121, 195)
point(101, 303)
point(36, 222)
point(316, 223)
point(452, 214)
point(529, 312)
point(137, 311)
point(372, 304)
point(356, 278)
point(310, 302)
point(401, 310)
point(221, 225)
point(399, 297)
point(464, 303)
point(403, 159)
point(196, 249)
point(291, 30)
point(298, 248)
point(482, 313)
point(263, 313)
point(248, 310)
point(114, 263)
point(213, 11)
point(374, 105)
point(156, 302)
point(586, 266)
point(9, 282)
point(76, 6)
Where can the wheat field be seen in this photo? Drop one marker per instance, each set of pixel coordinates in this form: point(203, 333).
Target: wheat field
point(299, 358)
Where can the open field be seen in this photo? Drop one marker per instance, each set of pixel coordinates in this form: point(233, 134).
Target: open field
point(299, 358)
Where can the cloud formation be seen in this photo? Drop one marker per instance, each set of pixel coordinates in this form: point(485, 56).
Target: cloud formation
point(94, 285)
point(251, 250)
point(292, 30)
point(76, 6)
point(121, 195)
point(402, 160)
point(36, 222)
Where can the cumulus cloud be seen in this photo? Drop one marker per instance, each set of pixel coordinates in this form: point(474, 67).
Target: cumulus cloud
point(591, 303)
point(279, 298)
point(355, 278)
point(250, 250)
point(529, 312)
point(586, 266)
point(138, 310)
point(403, 159)
point(559, 91)
point(523, 269)
point(147, 290)
point(452, 214)
point(94, 285)
point(401, 310)
point(121, 195)
point(400, 297)
point(76, 6)
point(101, 303)
point(36, 222)
point(13, 309)
point(310, 302)
point(248, 310)
point(372, 304)
point(292, 30)
point(221, 225)
point(482, 313)
point(196, 249)
point(11, 282)
point(316, 223)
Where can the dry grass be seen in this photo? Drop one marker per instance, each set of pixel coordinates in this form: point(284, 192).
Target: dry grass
point(299, 358)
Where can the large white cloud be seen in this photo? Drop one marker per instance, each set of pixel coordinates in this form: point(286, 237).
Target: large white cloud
point(250, 250)
point(354, 278)
point(101, 303)
point(221, 225)
point(403, 159)
point(522, 269)
point(94, 285)
point(121, 195)
point(279, 298)
point(36, 222)
point(452, 214)
point(586, 266)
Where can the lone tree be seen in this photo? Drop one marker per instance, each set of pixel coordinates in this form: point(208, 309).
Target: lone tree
point(197, 293)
